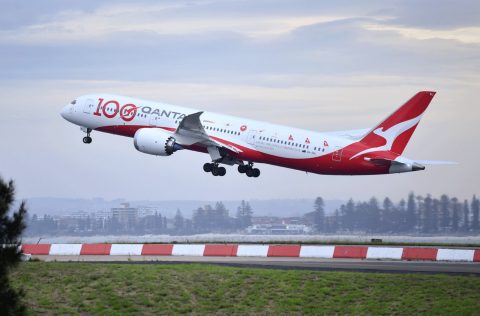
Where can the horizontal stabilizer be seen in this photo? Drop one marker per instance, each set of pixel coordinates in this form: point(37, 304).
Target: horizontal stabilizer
point(436, 162)
point(397, 166)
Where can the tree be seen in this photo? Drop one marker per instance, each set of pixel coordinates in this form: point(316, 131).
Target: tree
point(428, 209)
point(178, 221)
point(411, 213)
point(444, 212)
point(388, 216)
point(11, 229)
point(336, 222)
point(466, 216)
point(434, 214)
point(244, 215)
point(456, 209)
point(475, 213)
point(319, 214)
point(374, 215)
point(348, 213)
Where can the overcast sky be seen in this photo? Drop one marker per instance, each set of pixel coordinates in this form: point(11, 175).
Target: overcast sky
point(320, 65)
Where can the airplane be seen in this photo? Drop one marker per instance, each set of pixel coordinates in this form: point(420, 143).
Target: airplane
point(162, 129)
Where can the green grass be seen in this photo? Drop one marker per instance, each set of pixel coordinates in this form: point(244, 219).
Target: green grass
point(156, 289)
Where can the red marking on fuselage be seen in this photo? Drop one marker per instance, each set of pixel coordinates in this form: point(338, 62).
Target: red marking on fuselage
point(324, 164)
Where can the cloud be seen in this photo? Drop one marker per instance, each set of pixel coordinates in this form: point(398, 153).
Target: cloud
point(467, 35)
point(106, 21)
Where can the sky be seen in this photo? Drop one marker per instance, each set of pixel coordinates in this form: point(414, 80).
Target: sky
point(319, 65)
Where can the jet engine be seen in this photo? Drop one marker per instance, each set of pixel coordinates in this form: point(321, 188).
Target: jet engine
point(155, 141)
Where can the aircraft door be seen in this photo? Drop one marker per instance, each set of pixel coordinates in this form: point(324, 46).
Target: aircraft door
point(89, 106)
point(337, 154)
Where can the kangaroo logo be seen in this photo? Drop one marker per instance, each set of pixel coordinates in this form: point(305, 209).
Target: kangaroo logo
point(390, 135)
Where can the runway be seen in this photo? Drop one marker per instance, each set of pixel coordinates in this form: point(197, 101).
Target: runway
point(385, 266)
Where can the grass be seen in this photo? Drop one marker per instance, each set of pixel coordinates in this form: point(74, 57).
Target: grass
point(157, 289)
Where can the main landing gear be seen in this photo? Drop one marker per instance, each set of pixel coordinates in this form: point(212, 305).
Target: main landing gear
point(221, 171)
point(249, 170)
point(214, 169)
point(87, 139)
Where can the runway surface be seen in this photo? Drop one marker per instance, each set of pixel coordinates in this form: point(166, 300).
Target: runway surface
point(432, 267)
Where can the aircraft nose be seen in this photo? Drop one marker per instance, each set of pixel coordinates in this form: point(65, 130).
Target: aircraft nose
point(64, 112)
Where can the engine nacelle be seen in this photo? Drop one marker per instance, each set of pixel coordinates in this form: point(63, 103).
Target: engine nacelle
point(155, 141)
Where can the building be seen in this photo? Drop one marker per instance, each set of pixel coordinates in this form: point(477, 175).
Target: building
point(126, 216)
point(278, 229)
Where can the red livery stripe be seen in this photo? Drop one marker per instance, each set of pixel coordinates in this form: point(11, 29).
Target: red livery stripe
point(284, 251)
point(420, 254)
point(352, 252)
point(157, 250)
point(221, 250)
point(95, 249)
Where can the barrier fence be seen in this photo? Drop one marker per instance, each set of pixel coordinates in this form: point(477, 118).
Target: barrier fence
point(239, 250)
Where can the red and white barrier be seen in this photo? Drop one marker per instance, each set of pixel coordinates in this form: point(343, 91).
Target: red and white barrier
point(126, 249)
point(455, 254)
point(235, 250)
point(317, 251)
point(188, 250)
point(65, 249)
point(384, 253)
point(252, 251)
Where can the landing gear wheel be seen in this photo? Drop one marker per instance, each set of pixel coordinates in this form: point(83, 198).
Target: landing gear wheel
point(215, 172)
point(221, 171)
point(87, 139)
point(208, 167)
point(242, 168)
point(249, 170)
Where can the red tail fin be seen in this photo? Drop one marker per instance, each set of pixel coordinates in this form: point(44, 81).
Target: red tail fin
point(394, 132)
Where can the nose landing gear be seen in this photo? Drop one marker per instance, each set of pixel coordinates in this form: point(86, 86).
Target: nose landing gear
point(87, 139)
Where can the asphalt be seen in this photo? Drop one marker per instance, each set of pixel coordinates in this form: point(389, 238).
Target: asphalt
point(378, 266)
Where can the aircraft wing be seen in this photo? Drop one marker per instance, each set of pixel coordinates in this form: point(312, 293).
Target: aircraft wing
point(190, 131)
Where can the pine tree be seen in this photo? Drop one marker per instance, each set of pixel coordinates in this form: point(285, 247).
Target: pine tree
point(434, 215)
point(348, 213)
point(374, 215)
point(445, 208)
point(319, 214)
point(10, 233)
point(428, 209)
point(411, 213)
point(387, 216)
point(466, 216)
point(456, 209)
point(178, 221)
point(475, 213)
point(336, 225)
point(244, 215)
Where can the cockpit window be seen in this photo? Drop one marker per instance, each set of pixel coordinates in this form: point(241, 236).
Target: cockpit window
point(73, 102)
